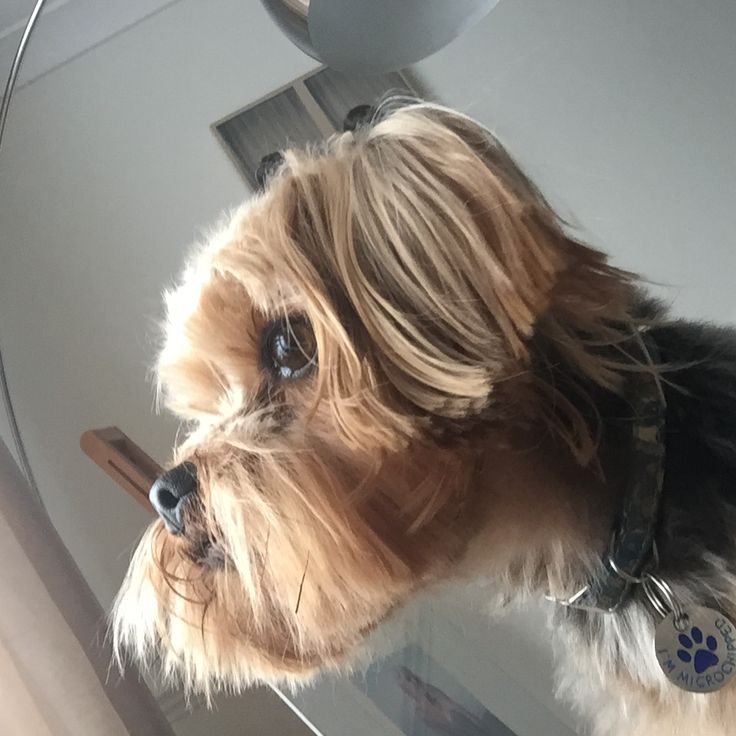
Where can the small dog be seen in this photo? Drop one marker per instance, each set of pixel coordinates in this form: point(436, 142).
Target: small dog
point(398, 368)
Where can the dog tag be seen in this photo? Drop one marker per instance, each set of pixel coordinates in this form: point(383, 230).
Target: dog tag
point(697, 649)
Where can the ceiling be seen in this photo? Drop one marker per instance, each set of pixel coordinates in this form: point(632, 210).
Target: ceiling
point(66, 29)
point(12, 13)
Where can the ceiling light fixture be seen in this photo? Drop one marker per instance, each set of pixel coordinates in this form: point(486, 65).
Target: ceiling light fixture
point(374, 36)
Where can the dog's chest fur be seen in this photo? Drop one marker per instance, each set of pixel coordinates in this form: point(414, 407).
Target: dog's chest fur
point(607, 661)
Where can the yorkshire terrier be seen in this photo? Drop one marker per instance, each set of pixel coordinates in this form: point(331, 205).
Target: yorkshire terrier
point(399, 368)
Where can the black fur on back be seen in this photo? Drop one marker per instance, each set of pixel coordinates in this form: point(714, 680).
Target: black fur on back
point(698, 512)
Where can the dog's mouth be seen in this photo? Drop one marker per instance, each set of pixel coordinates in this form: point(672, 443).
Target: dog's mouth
point(197, 543)
point(204, 552)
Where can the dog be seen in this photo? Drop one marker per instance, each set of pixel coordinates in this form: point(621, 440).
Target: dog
point(398, 368)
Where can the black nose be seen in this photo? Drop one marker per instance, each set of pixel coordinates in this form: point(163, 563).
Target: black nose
point(170, 494)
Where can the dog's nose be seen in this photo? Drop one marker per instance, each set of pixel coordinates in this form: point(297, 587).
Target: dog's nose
point(170, 494)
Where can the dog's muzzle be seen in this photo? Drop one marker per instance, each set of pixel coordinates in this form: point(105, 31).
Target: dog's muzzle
point(171, 494)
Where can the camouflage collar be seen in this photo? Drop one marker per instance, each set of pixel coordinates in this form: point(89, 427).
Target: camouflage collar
point(632, 546)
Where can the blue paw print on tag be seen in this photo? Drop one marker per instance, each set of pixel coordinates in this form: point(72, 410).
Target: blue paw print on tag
point(705, 655)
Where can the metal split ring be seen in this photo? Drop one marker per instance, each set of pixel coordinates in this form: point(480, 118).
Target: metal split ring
point(663, 600)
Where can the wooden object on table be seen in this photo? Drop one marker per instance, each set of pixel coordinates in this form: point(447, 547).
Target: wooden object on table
point(126, 463)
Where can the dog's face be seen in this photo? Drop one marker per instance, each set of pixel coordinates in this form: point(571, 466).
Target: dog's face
point(339, 352)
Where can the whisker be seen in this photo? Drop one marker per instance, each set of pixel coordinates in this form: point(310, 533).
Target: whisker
point(301, 585)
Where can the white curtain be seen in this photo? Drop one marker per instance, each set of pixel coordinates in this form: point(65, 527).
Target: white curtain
point(55, 678)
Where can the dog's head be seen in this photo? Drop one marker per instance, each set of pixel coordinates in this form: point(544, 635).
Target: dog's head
point(343, 351)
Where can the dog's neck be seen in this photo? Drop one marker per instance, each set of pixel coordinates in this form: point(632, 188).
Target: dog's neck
point(547, 520)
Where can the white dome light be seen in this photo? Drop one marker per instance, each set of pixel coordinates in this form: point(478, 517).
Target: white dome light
point(374, 36)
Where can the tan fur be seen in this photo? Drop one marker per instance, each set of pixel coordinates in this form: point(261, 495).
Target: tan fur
point(432, 443)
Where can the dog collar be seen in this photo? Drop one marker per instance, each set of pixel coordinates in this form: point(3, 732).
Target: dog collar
point(632, 546)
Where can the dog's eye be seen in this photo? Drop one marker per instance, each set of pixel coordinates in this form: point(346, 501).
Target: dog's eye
point(289, 348)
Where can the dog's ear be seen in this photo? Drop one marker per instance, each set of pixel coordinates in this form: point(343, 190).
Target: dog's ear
point(267, 167)
point(446, 253)
point(358, 117)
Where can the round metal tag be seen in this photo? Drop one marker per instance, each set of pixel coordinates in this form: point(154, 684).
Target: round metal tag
point(698, 652)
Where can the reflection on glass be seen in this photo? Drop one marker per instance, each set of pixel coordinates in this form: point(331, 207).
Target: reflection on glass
point(423, 699)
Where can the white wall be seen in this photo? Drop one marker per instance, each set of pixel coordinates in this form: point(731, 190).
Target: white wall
point(624, 112)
